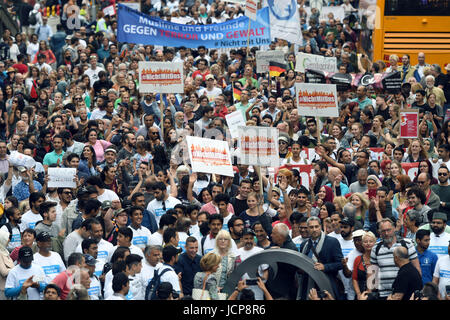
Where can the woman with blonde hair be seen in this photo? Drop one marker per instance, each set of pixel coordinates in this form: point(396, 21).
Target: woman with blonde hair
point(361, 264)
point(361, 203)
point(206, 280)
point(339, 203)
point(228, 258)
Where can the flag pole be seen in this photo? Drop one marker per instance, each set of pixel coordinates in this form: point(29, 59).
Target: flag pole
point(161, 106)
point(248, 36)
point(232, 91)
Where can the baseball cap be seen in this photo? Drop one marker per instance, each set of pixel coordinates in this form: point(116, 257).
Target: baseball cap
point(348, 221)
point(209, 76)
point(283, 138)
point(110, 149)
point(106, 205)
point(358, 233)
point(440, 215)
point(171, 251)
point(21, 168)
point(116, 212)
point(90, 260)
point(248, 231)
point(43, 237)
point(25, 254)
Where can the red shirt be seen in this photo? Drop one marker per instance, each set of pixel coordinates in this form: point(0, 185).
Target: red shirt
point(222, 113)
point(61, 281)
point(198, 72)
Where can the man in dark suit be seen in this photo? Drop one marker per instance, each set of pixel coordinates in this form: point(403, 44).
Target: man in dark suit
point(326, 253)
point(283, 285)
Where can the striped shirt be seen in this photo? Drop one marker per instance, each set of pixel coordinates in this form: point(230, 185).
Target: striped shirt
point(384, 260)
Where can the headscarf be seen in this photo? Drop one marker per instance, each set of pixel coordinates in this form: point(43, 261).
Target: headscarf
point(431, 153)
point(374, 178)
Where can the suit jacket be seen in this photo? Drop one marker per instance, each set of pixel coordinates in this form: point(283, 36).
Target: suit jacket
point(330, 256)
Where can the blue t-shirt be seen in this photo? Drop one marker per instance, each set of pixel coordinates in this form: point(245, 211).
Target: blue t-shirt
point(427, 261)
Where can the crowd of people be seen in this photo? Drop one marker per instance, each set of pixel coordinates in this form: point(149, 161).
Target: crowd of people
point(140, 224)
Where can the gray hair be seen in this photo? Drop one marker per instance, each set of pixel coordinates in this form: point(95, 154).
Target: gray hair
point(349, 210)
point(149, 249)
point(429, 77)
point(314, 218)
point(282, 229)
point(437, 67)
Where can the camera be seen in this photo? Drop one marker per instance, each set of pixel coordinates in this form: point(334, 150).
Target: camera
point(418, 294)
point(321, 294)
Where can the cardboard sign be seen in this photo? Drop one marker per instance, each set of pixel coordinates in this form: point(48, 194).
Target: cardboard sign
point(209, 156)
point(392, 82)
point(161, 77)
point(234, 121)
point(62, 177)
point(317, 100)
point(305, 61)
point(259, 146)
point(251, 9)
point(409, 123)
point(264, 57)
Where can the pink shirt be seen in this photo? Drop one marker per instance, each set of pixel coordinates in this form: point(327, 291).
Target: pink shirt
point(211, 209)
point(99, 147)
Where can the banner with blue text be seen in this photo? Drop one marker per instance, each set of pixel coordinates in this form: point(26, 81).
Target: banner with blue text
point(136, 27)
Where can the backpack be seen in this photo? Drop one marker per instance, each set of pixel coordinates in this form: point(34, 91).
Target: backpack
point(153, 285)
point(32, 19)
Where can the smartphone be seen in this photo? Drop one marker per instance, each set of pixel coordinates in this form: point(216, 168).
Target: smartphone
point(372, 193)
point(251, 282)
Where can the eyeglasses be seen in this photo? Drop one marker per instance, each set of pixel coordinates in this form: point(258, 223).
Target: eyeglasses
point(442, 174)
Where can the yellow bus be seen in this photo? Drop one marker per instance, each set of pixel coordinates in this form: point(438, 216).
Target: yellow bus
point(410, 27)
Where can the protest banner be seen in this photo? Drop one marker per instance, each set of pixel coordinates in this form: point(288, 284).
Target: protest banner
point(315, 76)
point(392, 82)
point(251, 9)
point(62, 177)
point(284, 20)
point(337, 11)
point(258, 146)
point(316, 100)
point(305, 61)
point(135, 5)
point(161, 77)
point(136, 27)
point(209, 156)
point(343, 81)
point(109, 11)
point(264, 57)
point(18, 159)
point(409, 123)
point(234, 121)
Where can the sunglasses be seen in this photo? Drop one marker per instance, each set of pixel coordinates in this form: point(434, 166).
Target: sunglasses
point(442, 174)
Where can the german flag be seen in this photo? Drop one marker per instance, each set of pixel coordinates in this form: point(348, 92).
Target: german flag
point(236, 94)
point(276, 68)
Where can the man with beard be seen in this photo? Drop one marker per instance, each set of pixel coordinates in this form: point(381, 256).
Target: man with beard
point(236, 229)
point(352, 255)
point(162, 202)
point(416, 199)
point(262, 236)
point(382, 256)
point(249, 249)
point(14, 216)
point(442, 190)
point(439, 239)
point(49, 260)
point(347, 225)
point(431, 200)
point(427, 258)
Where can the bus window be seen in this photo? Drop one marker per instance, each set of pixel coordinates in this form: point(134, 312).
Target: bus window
point(417, 8)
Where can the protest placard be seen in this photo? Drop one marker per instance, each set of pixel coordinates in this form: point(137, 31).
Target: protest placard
point(264, 57)
point(234, 121)
point(305, 61)
point(258, 146)
point(284, 20)
point(409, 123)
point(317, 100)
point(109, 11)
point(209, 156)
point(136, 27)
point(161, 77)
point(62, 177)
point(251, 9)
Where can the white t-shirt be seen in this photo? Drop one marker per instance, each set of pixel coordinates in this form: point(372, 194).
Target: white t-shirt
point(352, 255)
point(29, 220)
point(182, 236)
point(141, 237)
point(210, 94)
point(18, 275)
point(225, 222)
point(210, 244)
point(51, 265)
point(194, 230)
point(104, 247)
point(245, 254)
point(155, 207)
point(93, 74)
point(156, 239)
point(133, 250)
point(170, 276)
point(347, 246)
point(97, 114)
point(108, 195)
point(439, 244)
point(335, 235)
point(148, 271)
point(95, 289)
point(298, 241)
point(16, 240)
point(442, 271)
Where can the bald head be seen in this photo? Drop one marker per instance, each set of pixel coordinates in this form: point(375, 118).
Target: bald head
point(401, 253)
point(333, 172)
